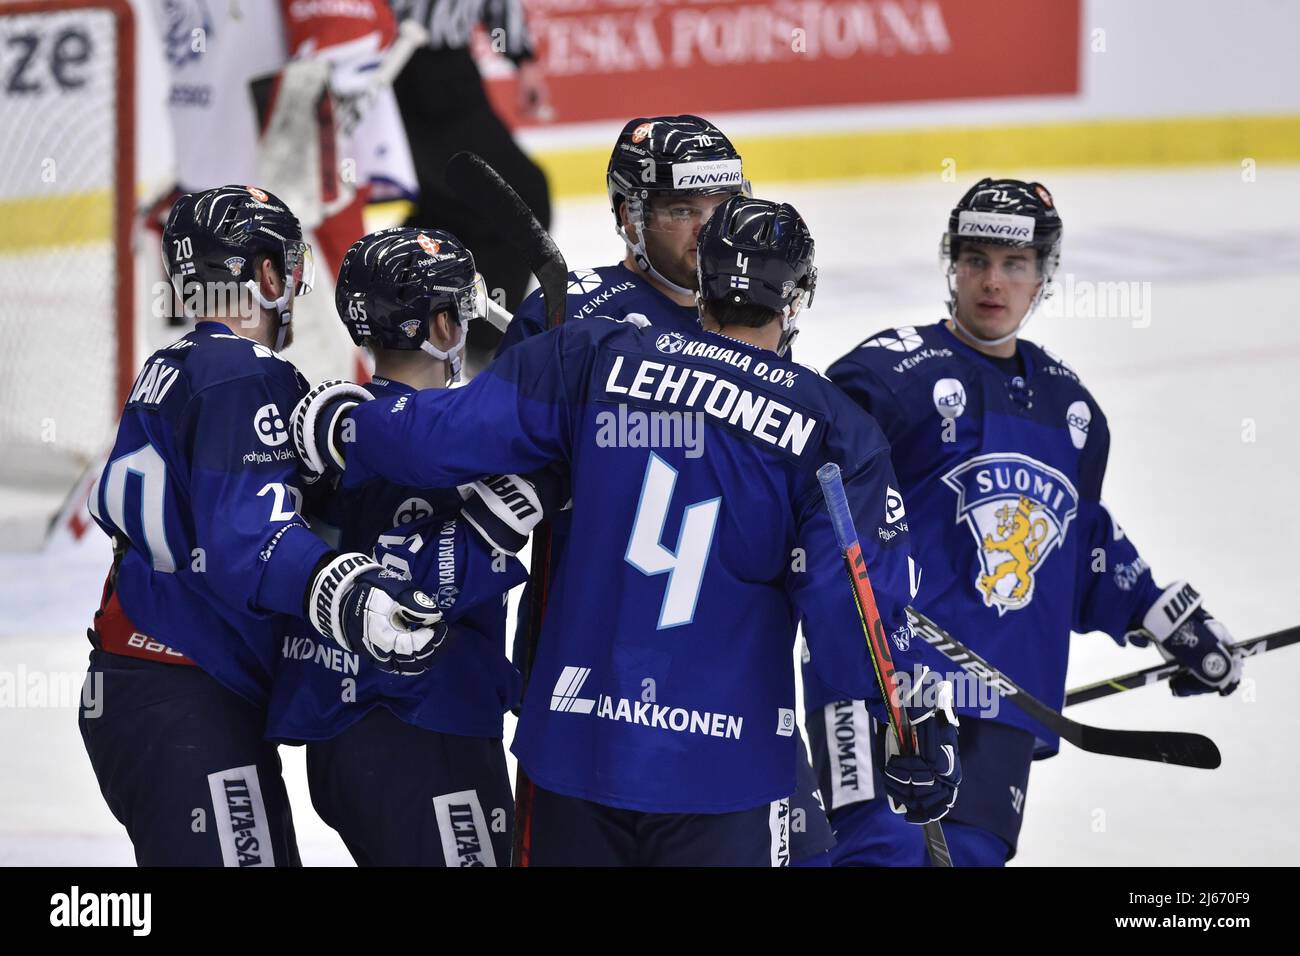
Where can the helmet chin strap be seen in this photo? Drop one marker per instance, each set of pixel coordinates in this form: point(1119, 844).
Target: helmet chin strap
point(451, 355)
point(635, 213)
point(281, 308)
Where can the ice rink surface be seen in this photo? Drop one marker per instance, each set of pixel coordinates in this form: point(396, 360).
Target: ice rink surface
point(1195, 378)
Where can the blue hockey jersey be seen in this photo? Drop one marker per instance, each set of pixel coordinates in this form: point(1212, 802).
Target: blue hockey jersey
point(320, 690)
point(698, 539)
point(203, 482)
point(1002, 475)
point(609, 292)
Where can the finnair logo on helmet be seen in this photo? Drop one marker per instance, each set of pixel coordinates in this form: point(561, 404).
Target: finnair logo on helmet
point(718, 172)
point(995, 225)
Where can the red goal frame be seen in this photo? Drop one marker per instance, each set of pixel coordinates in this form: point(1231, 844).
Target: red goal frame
point(123, 187)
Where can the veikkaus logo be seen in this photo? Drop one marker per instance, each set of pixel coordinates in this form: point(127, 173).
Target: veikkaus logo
point(906, 339)
point(584, 281)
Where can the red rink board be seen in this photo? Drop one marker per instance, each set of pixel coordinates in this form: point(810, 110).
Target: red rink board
point(607, 58)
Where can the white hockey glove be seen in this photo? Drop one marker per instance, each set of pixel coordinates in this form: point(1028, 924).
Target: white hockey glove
point(318, 422)
point(1185, 632)
point(356, 603)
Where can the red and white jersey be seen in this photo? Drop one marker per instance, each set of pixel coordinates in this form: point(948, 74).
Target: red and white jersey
point(216, 49)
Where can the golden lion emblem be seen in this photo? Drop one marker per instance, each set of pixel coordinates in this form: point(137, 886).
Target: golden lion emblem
point(1020, 537)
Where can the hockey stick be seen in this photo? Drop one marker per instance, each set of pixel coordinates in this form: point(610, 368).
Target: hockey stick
point(1163, 746)
point(846, 536)
point(1159, 672)
point(481, 187)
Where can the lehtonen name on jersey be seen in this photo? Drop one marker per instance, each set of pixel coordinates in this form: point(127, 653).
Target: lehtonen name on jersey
point(684, 387)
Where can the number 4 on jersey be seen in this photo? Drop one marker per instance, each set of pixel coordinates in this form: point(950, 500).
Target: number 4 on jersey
point(685, 566)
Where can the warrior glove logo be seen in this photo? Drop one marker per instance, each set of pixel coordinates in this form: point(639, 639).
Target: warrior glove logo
point(1018, 510)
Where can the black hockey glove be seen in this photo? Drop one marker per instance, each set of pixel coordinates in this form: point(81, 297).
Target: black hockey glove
point(924, 785)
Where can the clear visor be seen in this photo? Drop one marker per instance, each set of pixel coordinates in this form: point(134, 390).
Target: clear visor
point(681, 211)
point(300, 266)
point(471, 301)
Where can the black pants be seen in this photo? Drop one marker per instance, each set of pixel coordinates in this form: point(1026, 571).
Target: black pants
point(400, 795)
point(183, 766)
point(568, 831)
point(445, 110)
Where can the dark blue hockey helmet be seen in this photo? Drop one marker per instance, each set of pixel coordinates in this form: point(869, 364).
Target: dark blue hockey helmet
point(219, 235)
point(393, 282)
point(756, 252)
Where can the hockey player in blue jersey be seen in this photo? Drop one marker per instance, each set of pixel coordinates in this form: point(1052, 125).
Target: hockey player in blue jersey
point(410, 769)
point(213, 561)
point(667, 733)
point(1001, 452)
point(665, 177)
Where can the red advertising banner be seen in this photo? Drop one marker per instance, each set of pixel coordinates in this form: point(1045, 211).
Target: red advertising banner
point(609, 59)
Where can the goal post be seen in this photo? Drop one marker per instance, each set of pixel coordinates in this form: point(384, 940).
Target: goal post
point(67, 268)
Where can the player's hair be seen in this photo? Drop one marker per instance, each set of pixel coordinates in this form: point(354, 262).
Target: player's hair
point(375, 345)
point(728, 312)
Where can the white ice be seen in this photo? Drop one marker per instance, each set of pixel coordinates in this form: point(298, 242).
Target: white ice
point(1204, 456)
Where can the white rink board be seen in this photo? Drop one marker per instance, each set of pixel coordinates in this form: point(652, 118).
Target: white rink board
point(1222, 346)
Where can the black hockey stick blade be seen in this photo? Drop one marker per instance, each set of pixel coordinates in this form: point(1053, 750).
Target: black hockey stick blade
point(1162, 672)
point(480, 186)
point(1162, 746)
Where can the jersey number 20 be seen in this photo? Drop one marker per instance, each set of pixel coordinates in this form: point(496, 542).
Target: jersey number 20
point(685, 565)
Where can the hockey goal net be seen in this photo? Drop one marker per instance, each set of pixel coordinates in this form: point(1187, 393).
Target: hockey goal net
point(67, 196)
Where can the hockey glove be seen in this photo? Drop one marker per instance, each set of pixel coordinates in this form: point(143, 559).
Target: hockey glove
point(1185, 632)
point(318, 425)
point(924, 785)
point(358, 604)
point(504, 509)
